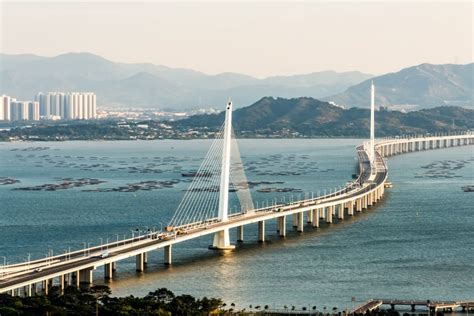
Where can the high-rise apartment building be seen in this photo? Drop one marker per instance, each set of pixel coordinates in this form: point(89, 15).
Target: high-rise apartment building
point(19, 111)
point(33, 111)
point(5, 111)
point(67, 105)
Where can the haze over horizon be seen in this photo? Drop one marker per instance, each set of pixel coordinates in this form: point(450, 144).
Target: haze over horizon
point(259, 39)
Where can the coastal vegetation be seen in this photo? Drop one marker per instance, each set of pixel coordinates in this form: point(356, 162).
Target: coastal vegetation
point(96, 300)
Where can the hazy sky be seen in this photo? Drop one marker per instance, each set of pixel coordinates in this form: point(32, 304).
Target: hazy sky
point(256, 38)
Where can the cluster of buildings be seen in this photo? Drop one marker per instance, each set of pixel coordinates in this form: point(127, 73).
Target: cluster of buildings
point(13, 110)
point(50, 106)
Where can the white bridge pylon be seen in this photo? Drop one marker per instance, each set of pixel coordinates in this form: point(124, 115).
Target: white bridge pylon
point(221, 238)
point(207, 200)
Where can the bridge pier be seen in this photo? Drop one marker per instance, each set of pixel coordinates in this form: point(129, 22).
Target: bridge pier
point(310, 216)
point(108, 271)
point(329, 214)
point(322, 214)
point(350, 209)
point(168, 254)
point(340, 212)
point(222, 240)
point(282, 226)
point(47, 284)
point(77, 281)
point(62, 282)
point(240, 233)
point(261, 231)
point(139, 262)
point(85, 276)
point(300, 222)
point(294, 220)
point(27, 290)
point(315, 217)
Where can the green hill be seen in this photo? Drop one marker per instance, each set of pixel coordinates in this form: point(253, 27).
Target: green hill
point(313, 118)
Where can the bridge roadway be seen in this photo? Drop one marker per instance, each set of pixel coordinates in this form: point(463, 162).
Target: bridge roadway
point(76, 267)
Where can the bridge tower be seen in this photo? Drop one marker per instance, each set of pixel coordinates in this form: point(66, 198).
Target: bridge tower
point(372, 124)
point(221, 238)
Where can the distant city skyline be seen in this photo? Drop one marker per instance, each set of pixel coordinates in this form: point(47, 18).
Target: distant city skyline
point(259, 39)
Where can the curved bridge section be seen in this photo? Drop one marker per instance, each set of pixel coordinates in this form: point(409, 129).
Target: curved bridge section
point(76, 268)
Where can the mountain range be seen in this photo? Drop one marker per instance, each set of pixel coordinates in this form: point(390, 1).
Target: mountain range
point(311, 117)
point(422, 86)
point(154, 86)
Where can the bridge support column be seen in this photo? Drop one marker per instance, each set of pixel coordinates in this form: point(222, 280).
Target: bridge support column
point(85, 276)
point(28, 290)
point(340, 212)
point(168, 254)
point(114, 266)
point(369, 199)
point(62, 282)
point(315, 217)
point(261, 231)
point(282, 226)
point(108, 271)
point(350, 210)
point(294, 218)
point(240, 233)
point(34, 289)
point(145, 258)
point(310, 216)
point(322, 213)
point(300, 217)
point(329, 214)
point(77, 281)
point(46, 286)
point(139, 262)
point(222, 241)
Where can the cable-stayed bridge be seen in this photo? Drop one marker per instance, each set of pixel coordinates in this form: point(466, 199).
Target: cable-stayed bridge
point(205, 211)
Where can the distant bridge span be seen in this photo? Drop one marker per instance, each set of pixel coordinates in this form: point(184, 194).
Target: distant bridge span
point(75, 268)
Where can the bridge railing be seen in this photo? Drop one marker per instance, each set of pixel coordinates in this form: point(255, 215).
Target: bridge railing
point(84, 251)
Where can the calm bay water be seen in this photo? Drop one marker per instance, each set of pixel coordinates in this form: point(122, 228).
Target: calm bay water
point(416, 243)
